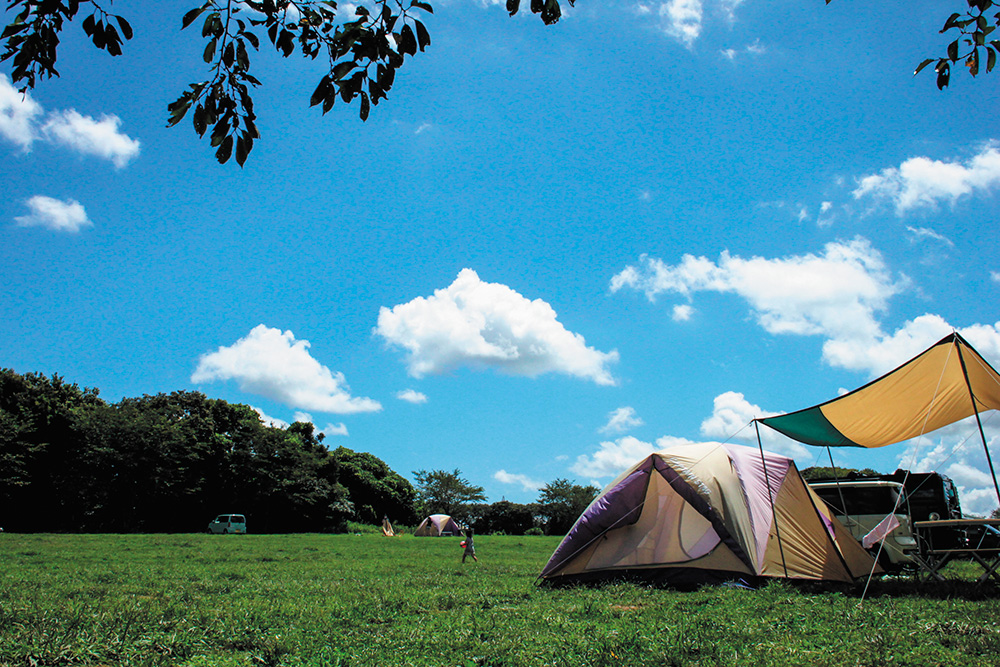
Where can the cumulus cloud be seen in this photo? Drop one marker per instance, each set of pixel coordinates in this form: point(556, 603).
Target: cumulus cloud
point(18, 115)
point(524, 481)
point(922, 182)
point(477, 324)
point(22, 121)
point(412, 396)
point(621, 420)
point(835, 293)
point(731, 419)
point(54, 214)
point(957, 451)
point(334, 430)
point(995, 276)
point(879, 355)
point(271, 363)
point(92, 137)
point(612, 457)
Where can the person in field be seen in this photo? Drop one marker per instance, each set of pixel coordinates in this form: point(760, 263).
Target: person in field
point(470, 548)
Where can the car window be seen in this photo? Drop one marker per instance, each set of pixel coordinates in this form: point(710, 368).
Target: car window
point(238, 519)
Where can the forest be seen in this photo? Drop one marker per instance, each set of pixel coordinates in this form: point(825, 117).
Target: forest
point(72, 462)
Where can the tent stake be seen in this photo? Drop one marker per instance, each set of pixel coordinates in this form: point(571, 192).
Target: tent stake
point(770, 498)
point(975, 409)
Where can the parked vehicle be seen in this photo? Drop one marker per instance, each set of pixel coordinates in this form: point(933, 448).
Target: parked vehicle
point(225, 524)
point(861, 504)
point(930, 496)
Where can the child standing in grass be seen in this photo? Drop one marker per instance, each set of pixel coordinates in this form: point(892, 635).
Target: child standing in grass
point(470, 549)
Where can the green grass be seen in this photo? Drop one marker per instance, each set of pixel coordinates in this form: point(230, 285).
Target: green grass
point(325, 600)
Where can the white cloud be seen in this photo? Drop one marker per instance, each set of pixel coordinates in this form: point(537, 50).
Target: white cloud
point(682, 19)
point(273, 364)
point(731, 420)
point(923, 182)
point(488, 325)
point(92, 137)
point(995, 276)
point(20, 117)
point(335, 429)
point(836, 293)
point(270, 421)
point(825, 206)
point(526, 482)
point(412, 396)
point(303, 417)
point(621, 420)
point(881, 354)
point(921, 233)
point(54, 214)
point(612, 458)
point(754, 49)
point(682, 312)
point(18, 114)
point(957, 451)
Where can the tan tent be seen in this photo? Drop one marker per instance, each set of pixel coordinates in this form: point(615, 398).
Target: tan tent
point(437, 525)
point(707, 513)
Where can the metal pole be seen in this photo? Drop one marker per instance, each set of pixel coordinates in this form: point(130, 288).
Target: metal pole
point(770, 497)
point(975, 410)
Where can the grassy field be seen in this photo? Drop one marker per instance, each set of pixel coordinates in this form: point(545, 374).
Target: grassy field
point(325, 600)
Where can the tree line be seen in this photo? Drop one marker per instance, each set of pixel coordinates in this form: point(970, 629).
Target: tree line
point(72, 462)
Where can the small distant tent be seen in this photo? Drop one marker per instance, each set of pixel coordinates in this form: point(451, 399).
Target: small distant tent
point(437, 525)
point(708, 513)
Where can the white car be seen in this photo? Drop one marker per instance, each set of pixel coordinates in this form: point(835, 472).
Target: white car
point(224, 524)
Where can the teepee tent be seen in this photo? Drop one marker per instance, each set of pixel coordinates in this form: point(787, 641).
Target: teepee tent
point(706, 513)
point(437, 525)
point(944, 384)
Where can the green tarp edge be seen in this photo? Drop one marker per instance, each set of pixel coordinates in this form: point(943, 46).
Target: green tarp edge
point(811, 427)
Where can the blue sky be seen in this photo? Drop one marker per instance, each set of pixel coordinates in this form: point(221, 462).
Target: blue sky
point(550, 251)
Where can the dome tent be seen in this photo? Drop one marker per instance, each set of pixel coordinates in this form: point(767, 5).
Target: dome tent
point(437, 525)
point(708, 513)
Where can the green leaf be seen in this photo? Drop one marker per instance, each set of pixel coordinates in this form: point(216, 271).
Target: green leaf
point(423, 37)
point(209, 54)
point(13, 29)
point(88, 25)
point(953, 51)
point(422, 5)
point(341, 70)
point(514, 5)
point(225, 151)
point(200, 120)
point(991, 59)
point(229, 55)
point(241, 151)
point(407, 42)
point(191, 15)
point(320, 93)
point(551, 12)
point(365, 106)
point(126, 28)
point(950, 23)
point(922, 65)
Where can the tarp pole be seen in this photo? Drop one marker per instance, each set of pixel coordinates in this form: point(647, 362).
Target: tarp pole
point(975, 410)
point(770, 498)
